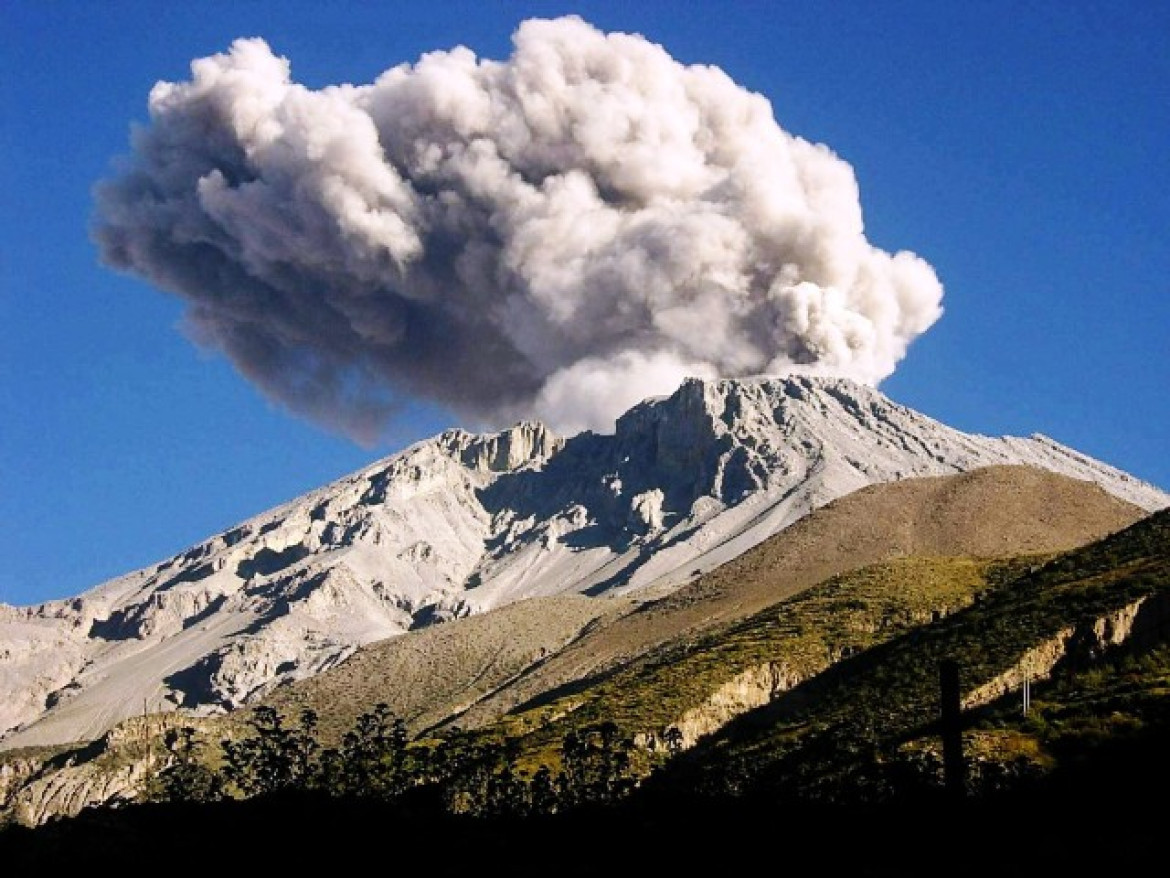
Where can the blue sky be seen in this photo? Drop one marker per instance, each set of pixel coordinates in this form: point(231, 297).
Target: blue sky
point(1019, 148)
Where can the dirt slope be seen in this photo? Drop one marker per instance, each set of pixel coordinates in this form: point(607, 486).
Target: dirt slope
point(427, 676)
point(470, 672)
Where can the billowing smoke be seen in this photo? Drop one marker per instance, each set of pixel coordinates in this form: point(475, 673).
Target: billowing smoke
point(557, 235)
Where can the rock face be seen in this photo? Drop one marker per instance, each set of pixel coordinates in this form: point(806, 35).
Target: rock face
point(1141, 623)
point(753, 688)
point(462, 523)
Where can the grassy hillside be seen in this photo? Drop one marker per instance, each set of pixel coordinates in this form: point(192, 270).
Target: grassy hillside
point(432, 675)
point(866, 730)
point(789, 641)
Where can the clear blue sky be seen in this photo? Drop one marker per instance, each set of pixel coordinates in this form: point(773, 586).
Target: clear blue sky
point(1021, 148)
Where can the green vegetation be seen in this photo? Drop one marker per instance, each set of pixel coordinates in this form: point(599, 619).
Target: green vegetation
point(1118, 702)
point(597, 743)
point(801, 637)
point(865, 730)
point(467, 774)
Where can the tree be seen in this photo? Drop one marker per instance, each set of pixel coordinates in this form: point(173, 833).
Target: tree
point(274, 757)
point(596, 766)
point(372, 759)
point(542, 792)
point(187, 777)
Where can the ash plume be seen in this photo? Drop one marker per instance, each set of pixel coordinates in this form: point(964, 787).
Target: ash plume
point(556, 235)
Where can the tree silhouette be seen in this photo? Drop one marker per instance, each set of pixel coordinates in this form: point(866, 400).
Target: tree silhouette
point(542, 792)
point(274, 757)
point(372, 759)
point(595, 766)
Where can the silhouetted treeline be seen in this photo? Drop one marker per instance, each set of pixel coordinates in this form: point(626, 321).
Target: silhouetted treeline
point(375, 760)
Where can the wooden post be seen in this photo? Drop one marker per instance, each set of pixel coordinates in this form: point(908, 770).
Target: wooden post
point(952, 729)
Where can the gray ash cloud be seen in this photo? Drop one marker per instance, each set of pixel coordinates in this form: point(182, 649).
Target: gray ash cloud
point(556, 235)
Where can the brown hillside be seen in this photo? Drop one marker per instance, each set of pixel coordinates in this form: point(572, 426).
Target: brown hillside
point(472, 671)
point(428, 676)
point(989, 512)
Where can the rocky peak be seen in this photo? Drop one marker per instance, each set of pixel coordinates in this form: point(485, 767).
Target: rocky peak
point(726, 438)
point(677, 430)
point(702, 410)
point(528, 442)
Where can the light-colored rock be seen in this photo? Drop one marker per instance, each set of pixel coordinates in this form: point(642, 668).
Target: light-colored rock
point(748, 690)
point(67, 791)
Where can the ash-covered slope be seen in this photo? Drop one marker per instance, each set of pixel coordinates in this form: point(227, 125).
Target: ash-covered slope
point(463, 523)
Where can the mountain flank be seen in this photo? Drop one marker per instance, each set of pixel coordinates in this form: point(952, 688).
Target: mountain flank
point(471, 672)
point(463, 523)
point(987, 513)
point(521, 623)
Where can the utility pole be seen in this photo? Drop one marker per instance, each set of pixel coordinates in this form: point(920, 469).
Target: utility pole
point(952, 729)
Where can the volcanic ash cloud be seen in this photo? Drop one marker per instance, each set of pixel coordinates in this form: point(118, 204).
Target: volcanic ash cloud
point(557, 235)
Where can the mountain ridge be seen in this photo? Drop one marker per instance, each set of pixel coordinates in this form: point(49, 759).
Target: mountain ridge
point(463, 523)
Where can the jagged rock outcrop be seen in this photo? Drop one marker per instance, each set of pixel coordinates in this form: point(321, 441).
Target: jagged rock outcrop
point(748, 690)
point(15, 774)
point(44, 785)
point(68, 790)
point(1139, 623)
point(463, 523)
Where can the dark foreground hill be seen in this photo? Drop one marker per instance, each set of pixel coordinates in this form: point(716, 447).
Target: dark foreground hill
point(1089, 630)
point(1089, 822)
